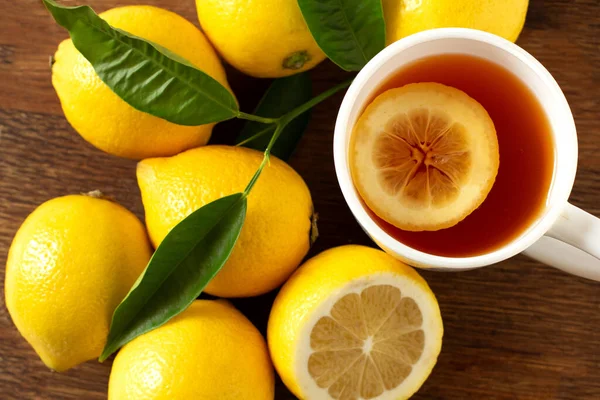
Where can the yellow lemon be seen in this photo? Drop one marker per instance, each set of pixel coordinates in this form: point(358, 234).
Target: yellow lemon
point(501, 17)
point(70, 264)
point(261, 38)
point(352, 323)
point(103, 118)
point(276, 233)
point(424, 156)
point(210, 351)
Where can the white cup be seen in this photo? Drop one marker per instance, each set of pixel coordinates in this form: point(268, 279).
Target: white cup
point(562, 236)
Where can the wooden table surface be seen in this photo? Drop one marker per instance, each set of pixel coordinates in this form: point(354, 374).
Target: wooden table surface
point(516, 330)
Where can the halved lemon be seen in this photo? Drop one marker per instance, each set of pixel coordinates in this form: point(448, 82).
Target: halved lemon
point(424, 156)
point(354, 323)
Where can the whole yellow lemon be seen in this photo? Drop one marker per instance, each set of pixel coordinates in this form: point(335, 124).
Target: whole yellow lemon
point(70, 264)
point(277, 229)
point(501, 17)
point(261, 38)
point(210, 351)
point(108, 122)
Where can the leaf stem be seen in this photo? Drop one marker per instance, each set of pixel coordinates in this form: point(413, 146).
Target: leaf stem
point(255, 136)
point(256, 118)
point(265, 159)
point(281, 123)
point(286, 118)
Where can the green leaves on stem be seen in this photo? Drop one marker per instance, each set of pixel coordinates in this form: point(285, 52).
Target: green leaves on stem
point(350, 32)
point(156, 81)
point(191, 254)
point(149, 77)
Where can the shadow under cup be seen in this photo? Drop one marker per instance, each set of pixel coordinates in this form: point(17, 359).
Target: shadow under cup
point(498, 51)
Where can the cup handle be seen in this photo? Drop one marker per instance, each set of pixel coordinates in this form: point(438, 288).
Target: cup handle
point(572, 244)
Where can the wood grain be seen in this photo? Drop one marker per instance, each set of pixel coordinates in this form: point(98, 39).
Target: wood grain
point(516, 330)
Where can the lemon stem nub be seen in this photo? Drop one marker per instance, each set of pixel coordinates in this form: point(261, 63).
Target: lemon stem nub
point(97, 194)
point(314, 229)
point(296, 60)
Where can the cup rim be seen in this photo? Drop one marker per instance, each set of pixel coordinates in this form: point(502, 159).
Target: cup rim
point(341, 132)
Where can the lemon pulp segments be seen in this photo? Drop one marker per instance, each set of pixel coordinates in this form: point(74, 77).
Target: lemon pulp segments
point(368, 344)
point(424, 156)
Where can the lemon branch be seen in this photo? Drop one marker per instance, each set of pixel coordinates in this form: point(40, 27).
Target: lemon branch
point(256, 135)
point(172, 279)
point(281, 123)
point(286, 118)
point(256, 118)
point(265, 159)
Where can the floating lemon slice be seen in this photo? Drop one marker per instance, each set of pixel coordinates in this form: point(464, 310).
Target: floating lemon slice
point(424, 156)
point(354, 323)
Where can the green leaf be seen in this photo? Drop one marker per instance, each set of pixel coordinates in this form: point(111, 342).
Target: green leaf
point(284, 95)
point(147, 76)
point(350, 32)
point(186, 260)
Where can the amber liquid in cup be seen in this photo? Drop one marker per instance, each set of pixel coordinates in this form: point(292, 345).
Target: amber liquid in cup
point(526, 156)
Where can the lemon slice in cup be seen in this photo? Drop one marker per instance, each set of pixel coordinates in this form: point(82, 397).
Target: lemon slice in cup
point(354, 323)
point(424, 156)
